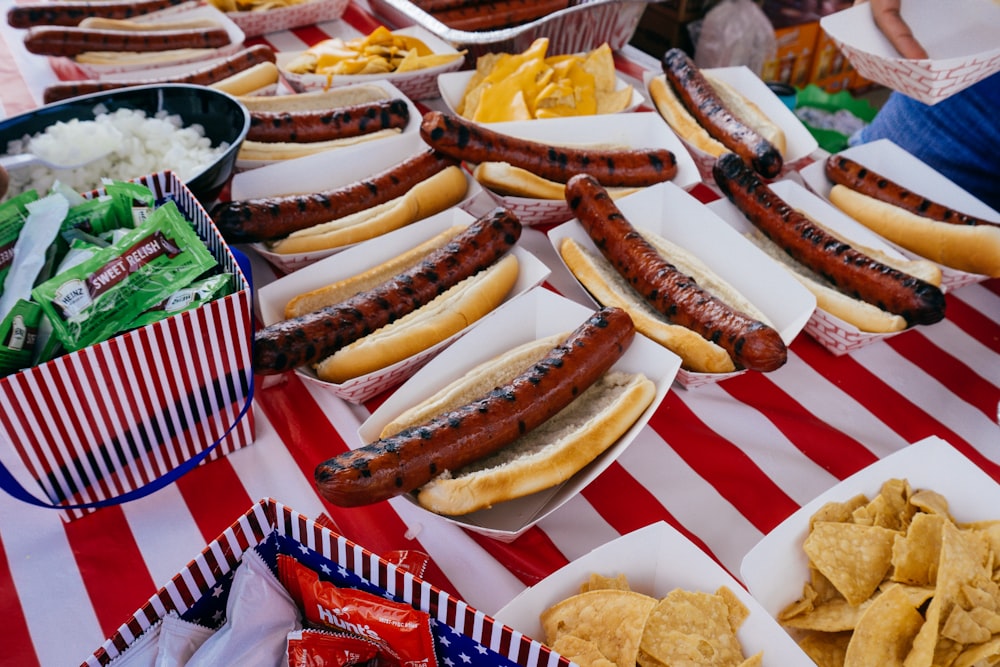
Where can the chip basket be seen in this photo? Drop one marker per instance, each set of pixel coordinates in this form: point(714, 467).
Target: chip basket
point(199, 593)
point(120, 419)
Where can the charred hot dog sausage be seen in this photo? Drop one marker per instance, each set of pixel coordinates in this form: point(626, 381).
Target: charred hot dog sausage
point(497, 13)
point(845, 171)
point(708, 109)
point(852, 271)
point(465, 140)
point(71, 12)
point(204, 76)
point(72, 41)
point(271, 218)
point(309, 126)
point(411, 458)
point(312, 337)
point(751, 343)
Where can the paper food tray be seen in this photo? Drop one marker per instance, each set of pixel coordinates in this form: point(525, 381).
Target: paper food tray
point(656, 559)
point(833, 333)
point(199, 593)
point(677, 216)
point(583, 26)
point(69, 69)
point(960, 37)
point(417, 84)
point(412, 127)
point(641, 129)
point(273, 296)
point(538, 313)
point(260, 22)
point(800, 143)
point(890, 160)
point(776, 568)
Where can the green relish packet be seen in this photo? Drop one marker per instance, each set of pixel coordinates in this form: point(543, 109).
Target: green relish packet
point(18, 334)
point(103, 295)
point(186, 298)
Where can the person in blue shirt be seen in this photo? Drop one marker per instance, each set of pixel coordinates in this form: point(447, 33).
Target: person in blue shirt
point(959, 137)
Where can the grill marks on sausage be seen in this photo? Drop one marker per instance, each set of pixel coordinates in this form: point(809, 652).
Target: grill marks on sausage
point(206, 75)
point(849, 269)
point(270, 218)
point(72, 41)
point(750, 343)
point(72, 12)
point(312, 337)
point(323, 125)
point(849, 173)
point(465, 140)
point(411, 458)
point(711, 113)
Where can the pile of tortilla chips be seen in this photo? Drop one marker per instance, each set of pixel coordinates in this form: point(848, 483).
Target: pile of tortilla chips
point(895, 580)
point(609, 624)
point(522, 86)
point(381, 52)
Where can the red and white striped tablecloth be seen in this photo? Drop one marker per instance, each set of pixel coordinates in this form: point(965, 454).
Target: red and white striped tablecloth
point(723, 463)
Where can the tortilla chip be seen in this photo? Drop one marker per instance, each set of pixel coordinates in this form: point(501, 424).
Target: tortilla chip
point(854, 558)
point(589, 615)
point(915, 555)
point(826, 649)
point(885, 632)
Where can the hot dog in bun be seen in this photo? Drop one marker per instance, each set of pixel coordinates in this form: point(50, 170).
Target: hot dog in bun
point(545, 456)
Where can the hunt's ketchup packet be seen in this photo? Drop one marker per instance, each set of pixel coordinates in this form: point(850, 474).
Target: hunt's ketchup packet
point(318, 648)
point(399, 630)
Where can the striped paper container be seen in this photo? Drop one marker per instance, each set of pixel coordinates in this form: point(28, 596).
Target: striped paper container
point(199, 593)
point(111, 418)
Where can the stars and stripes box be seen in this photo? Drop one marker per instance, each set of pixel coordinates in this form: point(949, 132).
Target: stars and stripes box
point(199, 593)
point(123, 417)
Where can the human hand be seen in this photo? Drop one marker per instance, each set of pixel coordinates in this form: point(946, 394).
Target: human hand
point(890, 22)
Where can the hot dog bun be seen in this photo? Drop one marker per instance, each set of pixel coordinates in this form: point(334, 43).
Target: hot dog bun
point(317, 99)
point(507, 180)
point(607, 286)
point(439, 192)
point(348, 287)
point(972, 248)
point(289, 150)
point(544, 457)
point(449, 313)
point(748, 112)
point(249, 80)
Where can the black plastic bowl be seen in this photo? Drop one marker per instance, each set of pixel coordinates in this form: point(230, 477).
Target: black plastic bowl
point(223, 118)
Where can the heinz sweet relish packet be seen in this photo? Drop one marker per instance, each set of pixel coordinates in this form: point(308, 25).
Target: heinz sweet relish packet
point(93, 300)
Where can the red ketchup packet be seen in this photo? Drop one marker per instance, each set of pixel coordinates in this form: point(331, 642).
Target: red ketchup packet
point(318, 648)
point(397, 628)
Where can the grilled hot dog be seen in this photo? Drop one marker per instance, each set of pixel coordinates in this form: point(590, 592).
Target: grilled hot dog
point(272, 218)
point(71, 12)
point(845, 171)
point(751, 344)
point(852, 271)
point(464, 140)
point(704, 103)
point(311, 126)
point(400, 463)
point(207, 75)
point(314, 336)
point(72, 41)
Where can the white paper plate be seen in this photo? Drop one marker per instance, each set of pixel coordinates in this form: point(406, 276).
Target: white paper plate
point(656, 559)
point(677, 216)
point(538, 313)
